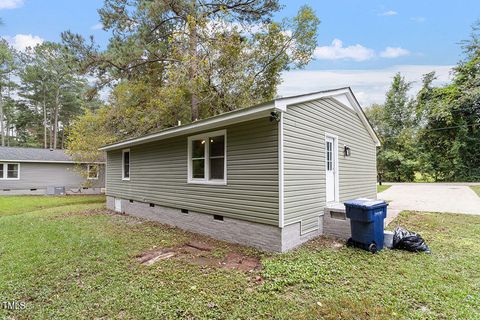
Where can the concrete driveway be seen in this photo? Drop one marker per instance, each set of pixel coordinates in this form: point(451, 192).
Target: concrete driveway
point(433, 197)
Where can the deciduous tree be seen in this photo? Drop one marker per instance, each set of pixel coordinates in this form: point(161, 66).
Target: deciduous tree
point(179, 61)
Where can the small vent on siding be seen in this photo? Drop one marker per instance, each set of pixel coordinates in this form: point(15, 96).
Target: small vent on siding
point(6, 189)
point(217, 217)
point(184, 210)
point(152, 205)
point(33, 189)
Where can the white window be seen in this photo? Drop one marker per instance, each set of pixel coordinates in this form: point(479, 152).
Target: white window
point(10, 171)
point(126, 164)
point(207, 160)
point(92, 172)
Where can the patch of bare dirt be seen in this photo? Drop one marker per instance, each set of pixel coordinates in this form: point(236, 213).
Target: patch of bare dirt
point(327, 242)
point(202, 246)
point(90, 212)
point(150, 257)
point(238, 261)
point(201, 253)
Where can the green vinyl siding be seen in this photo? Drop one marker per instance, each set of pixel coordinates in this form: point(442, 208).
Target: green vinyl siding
point(158, 174)
point(304, 131)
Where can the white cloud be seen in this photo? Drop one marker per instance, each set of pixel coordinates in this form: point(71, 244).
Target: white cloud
point(337, 51)
point(97, 26)
point(391, 52)
point(418, 19)
point(10, 4)
point(22, 41)
point(389, 13)
point(369, 86)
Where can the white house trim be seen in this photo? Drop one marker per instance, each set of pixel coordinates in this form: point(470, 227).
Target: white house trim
point(246, 114)
point(88, 172)
point(45, 161)
point(206, 179)
point(281, 179)
point(337, 165)
point(361, 114)
point(224, 119)
point(343, 100)
point(5, 171)
point(341, 93)
point(311, 96)
point(129, 165)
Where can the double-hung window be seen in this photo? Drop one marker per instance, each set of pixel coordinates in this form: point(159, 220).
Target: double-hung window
point(92, 172)
point(207, 158)
point(10, 171)
point(126, 164)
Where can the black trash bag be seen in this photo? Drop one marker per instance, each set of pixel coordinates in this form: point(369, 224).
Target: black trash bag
point(410, 241)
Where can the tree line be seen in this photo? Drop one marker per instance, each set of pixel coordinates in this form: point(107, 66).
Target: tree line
point(434, 136)
point(41, 93)
point(166, 62)
point(171, 62)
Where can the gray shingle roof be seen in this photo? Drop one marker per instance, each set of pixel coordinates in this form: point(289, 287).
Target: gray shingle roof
point(33, 155)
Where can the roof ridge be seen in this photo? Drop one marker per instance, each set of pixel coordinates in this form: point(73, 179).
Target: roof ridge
point(31, 148)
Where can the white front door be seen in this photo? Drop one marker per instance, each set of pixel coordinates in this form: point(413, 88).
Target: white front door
point(330, 168)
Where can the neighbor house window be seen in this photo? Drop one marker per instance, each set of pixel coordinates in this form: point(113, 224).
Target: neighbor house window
point(126, 164)
point(10, 171)
point(207, 158)
point(92, 172)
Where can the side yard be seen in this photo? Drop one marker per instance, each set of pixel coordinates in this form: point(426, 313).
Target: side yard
point(11, 205)
point(71, 258)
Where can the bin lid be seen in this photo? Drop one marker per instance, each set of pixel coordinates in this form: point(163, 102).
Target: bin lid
point(364, 203)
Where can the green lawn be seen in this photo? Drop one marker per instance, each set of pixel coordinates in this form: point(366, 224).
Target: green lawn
point(10, 205)
point(383, 187)
point(77, 261)
point(476, 189)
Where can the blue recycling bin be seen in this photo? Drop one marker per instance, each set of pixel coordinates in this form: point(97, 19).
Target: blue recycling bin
point(366, 223)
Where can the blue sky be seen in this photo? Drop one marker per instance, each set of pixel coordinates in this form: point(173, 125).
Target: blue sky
point(360, 43)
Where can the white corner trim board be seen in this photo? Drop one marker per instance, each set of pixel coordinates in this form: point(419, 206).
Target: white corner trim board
point(281, 179)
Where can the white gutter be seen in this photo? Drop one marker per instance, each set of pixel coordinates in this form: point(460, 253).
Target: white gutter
point(246, 114)
point(214, 122)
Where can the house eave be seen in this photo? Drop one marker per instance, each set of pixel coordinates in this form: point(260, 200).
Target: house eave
point(222, 120)
point(45, 161)
point(346, 91)
point(263, 110)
